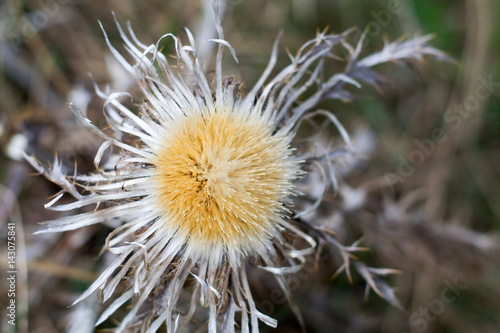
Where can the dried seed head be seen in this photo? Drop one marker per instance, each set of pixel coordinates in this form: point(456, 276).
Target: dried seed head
point(222, 177)
point(202, 176)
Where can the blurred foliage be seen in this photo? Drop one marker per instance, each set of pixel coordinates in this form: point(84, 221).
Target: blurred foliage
point(454, 189)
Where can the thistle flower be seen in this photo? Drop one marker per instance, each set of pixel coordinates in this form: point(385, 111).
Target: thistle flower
point(204, 175)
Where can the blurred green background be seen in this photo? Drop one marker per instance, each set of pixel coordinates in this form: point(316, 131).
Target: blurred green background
point(439, 223)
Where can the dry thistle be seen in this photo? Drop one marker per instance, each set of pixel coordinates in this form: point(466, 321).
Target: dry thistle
point(209, 179)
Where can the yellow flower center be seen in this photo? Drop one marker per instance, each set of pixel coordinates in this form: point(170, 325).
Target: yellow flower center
point(221, 177)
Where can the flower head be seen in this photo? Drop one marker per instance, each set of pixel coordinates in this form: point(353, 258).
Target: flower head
point(221, 177)
point(204, 175)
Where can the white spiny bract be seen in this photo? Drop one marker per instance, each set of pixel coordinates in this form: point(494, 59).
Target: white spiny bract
point(203, 175)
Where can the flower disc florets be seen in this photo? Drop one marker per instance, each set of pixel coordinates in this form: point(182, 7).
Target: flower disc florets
point(221, 177)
